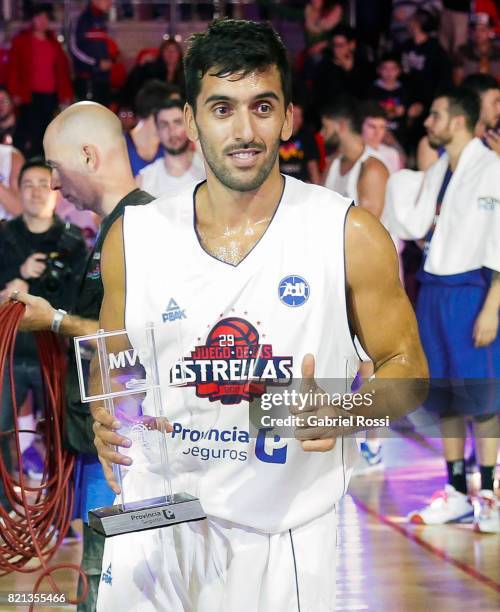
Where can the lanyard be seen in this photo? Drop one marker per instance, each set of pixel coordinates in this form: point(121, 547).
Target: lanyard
point(439, 203)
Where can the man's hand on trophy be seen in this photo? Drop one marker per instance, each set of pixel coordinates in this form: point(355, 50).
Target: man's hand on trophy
point(106, 439)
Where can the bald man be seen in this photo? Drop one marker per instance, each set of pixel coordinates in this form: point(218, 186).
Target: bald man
point(87, 153)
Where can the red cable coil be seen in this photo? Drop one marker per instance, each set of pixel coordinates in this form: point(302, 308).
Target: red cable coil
point(44, 510)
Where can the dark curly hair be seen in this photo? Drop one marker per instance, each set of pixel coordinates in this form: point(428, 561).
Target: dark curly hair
point(232, 46)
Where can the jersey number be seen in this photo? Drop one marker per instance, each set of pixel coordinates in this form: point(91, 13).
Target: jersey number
point(226, 340)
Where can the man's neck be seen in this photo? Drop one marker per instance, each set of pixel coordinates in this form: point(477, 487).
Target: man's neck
point(36, 225)
point(373, 145)
point(351, 147)
point(41, 35)
point(113, 196)
point(178, 165)
point(456, 147)
point(484, 48)
point(220, 206)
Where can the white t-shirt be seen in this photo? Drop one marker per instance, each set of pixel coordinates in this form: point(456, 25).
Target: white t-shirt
point(391, 158)
point(157, 181)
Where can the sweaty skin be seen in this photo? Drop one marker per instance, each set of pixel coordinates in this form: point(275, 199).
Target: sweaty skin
point(254, 118)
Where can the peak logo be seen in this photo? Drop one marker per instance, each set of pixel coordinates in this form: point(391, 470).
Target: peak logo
point(107, 576)
point(232, 366)
point(173, 312)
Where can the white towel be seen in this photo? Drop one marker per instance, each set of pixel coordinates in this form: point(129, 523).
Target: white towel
point(467, 234)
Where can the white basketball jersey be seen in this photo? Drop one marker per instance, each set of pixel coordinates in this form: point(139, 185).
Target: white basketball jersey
point(347, 184)
point(285, 299)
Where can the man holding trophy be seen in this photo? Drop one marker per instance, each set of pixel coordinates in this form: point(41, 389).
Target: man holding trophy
point(251, 280)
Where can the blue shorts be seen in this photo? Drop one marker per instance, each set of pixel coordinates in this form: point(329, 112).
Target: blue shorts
point(464, 379)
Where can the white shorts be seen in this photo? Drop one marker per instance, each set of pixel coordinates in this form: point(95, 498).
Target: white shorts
point(219, 566)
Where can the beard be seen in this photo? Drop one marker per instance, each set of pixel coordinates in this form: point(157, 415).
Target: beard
point(333, 141)
point(178, 150)
point(227, 176)
point(436, 142)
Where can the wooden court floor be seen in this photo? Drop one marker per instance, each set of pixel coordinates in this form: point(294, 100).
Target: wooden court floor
point(383, 564)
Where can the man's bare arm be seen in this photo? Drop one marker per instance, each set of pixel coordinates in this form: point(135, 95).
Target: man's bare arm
point(39, 314)
point(380, 312)
point(383, 320)
point(371, 186)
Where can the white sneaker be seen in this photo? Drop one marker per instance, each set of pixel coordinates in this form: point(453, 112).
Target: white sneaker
point(487, 513)
point(446, 506)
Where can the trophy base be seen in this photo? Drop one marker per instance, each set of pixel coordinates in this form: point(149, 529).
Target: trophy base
point(146, 514)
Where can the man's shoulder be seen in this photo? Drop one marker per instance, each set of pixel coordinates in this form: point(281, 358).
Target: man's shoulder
point(22, 37)
point(374, 164)
point(12, 225)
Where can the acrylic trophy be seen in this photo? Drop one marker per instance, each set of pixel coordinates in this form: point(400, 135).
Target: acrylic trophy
point(129, 388)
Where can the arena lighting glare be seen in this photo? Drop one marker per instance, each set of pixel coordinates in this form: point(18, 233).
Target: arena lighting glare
point(129, 388)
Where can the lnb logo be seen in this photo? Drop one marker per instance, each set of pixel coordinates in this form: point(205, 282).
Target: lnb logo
point(293, 291)
point(168, 514)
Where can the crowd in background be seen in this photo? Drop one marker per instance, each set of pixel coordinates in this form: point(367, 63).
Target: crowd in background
point(392, 64)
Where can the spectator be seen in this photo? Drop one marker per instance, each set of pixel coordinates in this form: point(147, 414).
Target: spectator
point(488, 89)
point(320, 17)
point(459, 300)
point(299, 156)
point(402, 12)
point(7, 117)
point(30, 246)
point(424, 61)
point(491, 8)
point(342, 69)
point(390, 93)
point(180, 166)
point(357, 173)
point(38, 79)
point(127, 117)
point(427, 69)
point(91, 53)
point(374, 131)
point(454, 24)
point(143, 143)
point(166, 67)
point(11, 161)
point(481, 54)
